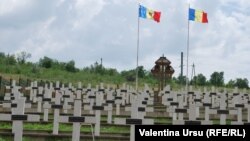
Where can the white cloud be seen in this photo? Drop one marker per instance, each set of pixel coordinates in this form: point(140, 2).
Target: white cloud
point(9, 6)
point(86, 10)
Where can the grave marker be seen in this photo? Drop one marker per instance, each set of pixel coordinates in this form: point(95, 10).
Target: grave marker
point(57, 106)
point(76, 119)
point(17, 117)
point(47, 101)
point(134, 120)
point(238, 103)
point(222, 111)
point(207, 104)
point(110, 101)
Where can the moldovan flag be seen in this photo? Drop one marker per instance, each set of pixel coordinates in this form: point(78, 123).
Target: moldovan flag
point(149, 14)
point(197, 15)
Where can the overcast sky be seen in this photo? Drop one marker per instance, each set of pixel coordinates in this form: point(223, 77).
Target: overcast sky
point(87, 30)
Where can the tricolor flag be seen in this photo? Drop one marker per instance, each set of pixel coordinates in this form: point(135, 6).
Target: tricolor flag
point(197, 15)
point(149, 14)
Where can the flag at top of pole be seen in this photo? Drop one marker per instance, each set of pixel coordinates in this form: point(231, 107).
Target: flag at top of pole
point(197, 15)
point(147, 13)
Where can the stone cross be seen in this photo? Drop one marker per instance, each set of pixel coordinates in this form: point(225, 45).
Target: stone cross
point(47, 102)
point(14, 92)
point(238, 103)
point(197, 102)
point(34, 91)
point(134, 120)
point(79, 91)
point(173, 104)
point(17, 117)
point(222, 111)
point(39, 99)
point(118, 101)
point(110, 101)
point(67, 98)
point(91, 99)
point(97, 108)
point(207, 103)
point(76, 119)
point(57, 106)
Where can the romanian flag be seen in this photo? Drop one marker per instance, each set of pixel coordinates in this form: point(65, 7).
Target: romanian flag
point(149, 14)
point(197, 15)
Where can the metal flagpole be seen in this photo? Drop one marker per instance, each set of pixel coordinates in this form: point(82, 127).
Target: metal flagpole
point(138, 43)
point(187, 50)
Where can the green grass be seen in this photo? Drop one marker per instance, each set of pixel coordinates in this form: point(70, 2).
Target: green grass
point(163, 120)
point(48, 127)
point(217, 122)
point(66, 127)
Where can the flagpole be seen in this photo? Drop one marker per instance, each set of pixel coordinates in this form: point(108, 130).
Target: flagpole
point(187, 50)
point(138, 43)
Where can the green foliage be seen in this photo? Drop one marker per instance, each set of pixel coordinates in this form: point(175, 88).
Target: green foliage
point(10, 60)
point(65, 127)
point(217, 79)
point(181, 80)
point(46, 62)
point(141, 72)
point(129, 75)
point(35, 68)
point(22, 57)
point(100, 69)
point(199, 80)
point(2, 55)
point(52, 70)
point(70, 66)
point(230, 83)
point(239, 82)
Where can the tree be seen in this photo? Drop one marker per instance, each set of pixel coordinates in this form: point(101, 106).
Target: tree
point(241, 83)
point(231, 83)
point(22, 57)
point(129, 75)
point(46, 62)
point(10, 60)
point(181, 80)
point(217, 79)
point(70, 66)
point(2, 55)
point(201, 80)
point(141, 72)
point(111, 71)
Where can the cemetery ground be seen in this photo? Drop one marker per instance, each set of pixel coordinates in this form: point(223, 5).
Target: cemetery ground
point(55, 111)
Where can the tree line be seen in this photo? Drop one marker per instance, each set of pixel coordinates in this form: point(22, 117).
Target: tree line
point(216, 79)
point(20, 59)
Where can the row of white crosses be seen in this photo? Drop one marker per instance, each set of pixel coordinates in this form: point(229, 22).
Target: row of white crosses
point(137, 115)
point(178, 109)
point(137, 111)
point(17, 115)
point(76, 119)
point(10, 99)
point(45, 101)
point(63, 93)
point(234, 107)
point(210, 101)
point(238, 102)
